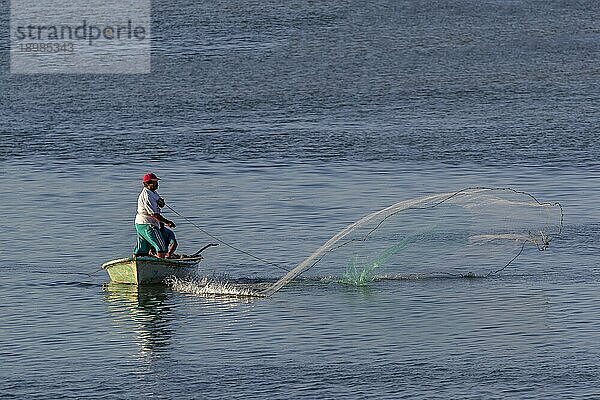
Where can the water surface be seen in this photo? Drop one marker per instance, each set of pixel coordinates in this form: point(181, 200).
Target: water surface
point(275, 126)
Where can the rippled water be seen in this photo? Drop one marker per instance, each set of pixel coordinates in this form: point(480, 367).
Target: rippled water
point(274, 126)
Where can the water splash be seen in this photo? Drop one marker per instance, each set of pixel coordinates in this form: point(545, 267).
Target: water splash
point(361, 274)
point(211, 286)
point(356, 276)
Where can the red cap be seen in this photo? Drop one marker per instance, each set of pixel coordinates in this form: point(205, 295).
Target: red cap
point(150, 177)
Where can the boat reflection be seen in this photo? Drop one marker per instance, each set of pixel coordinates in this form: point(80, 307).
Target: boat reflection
point(143, 311)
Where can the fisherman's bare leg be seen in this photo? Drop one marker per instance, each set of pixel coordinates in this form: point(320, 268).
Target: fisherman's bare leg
point(172, 248)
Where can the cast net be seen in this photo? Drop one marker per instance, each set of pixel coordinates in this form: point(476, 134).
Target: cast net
point(472, 232)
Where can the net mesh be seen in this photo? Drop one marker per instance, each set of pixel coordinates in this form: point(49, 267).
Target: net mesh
point(471, 232)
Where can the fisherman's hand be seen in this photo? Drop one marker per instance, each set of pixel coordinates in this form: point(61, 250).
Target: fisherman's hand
point(171, 224)
point(160, 202)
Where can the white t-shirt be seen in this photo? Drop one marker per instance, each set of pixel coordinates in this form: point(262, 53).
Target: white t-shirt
point(147, 206)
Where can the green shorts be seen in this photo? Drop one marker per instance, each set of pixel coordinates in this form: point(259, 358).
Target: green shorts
point(149, 237)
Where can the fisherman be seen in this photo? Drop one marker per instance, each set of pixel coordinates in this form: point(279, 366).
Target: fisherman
point(148, 220)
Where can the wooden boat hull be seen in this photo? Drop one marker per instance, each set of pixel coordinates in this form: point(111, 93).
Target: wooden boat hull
point(149, 270)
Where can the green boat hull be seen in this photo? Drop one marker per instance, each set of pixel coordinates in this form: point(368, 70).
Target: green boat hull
point(149, 270)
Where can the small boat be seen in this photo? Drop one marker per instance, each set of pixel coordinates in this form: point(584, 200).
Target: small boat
point(148, 269)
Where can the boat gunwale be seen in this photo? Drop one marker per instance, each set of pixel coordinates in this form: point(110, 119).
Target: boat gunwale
point(172, 262)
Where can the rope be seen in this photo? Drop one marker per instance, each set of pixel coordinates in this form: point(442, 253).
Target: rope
point(225, 243)
point(510, 262)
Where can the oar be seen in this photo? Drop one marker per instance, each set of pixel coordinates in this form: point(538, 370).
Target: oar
point(204, 248)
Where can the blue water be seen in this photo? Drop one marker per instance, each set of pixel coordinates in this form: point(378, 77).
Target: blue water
point(274, 126)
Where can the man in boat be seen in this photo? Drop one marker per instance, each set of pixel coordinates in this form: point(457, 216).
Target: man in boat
point(148, 220)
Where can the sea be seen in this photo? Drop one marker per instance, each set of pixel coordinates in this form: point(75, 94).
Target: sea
point(273, 125)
